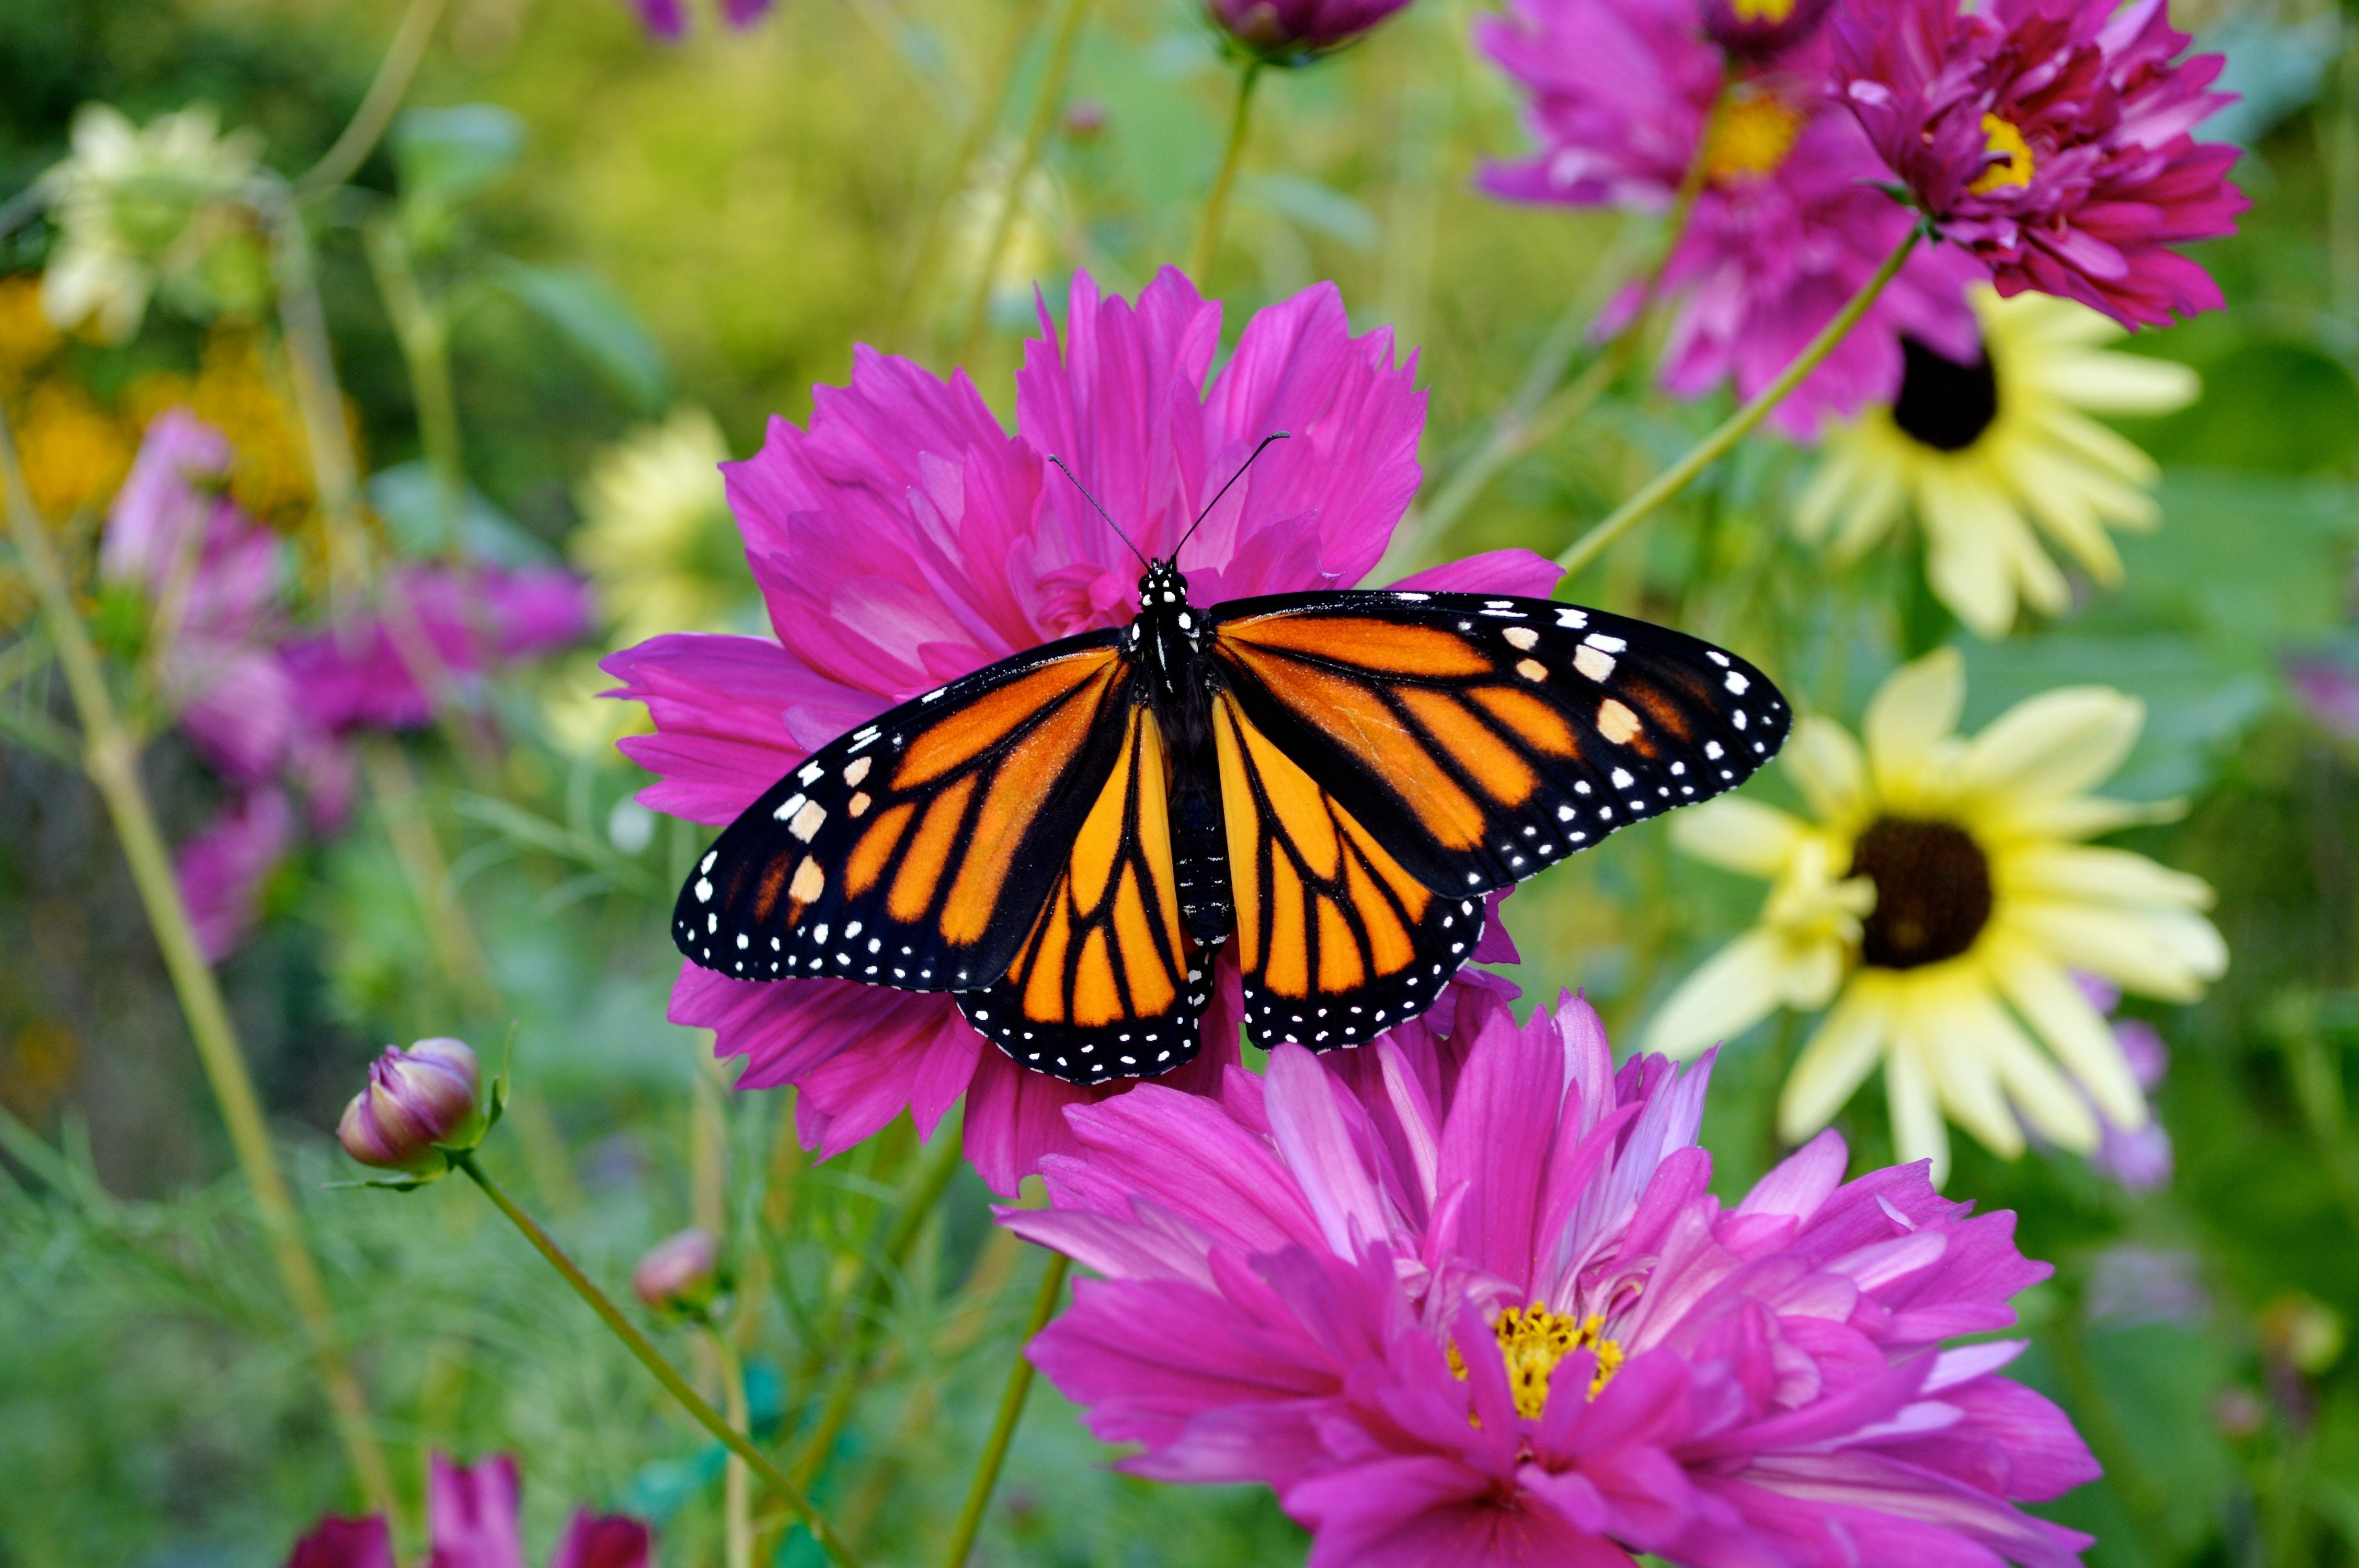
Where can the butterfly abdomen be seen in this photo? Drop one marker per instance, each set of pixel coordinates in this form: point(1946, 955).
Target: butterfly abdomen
point(1201, 866)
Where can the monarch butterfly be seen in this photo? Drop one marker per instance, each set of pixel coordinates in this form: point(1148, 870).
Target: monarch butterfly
point(1337, 779)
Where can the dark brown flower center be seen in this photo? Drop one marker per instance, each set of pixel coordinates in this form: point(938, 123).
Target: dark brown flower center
point(1944, 403)
point(1932, 890)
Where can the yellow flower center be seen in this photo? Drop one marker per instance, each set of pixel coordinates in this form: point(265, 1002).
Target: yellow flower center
point(1755, 130)
point(1534, 1340)
point(1932, 891)
point(1772, 11)
point(2014, 169)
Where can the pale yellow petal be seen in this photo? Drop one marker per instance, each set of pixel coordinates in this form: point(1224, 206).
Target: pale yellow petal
point(2070, 1025)
point(2037, 577)
point(1913, 712)
point(2058, 743)
point(2101, 875)
point(1966, 560)
point(1832, 489)
point(2165, 953)
point(1740, 834)
point(2044, 1097)
point(2122, 384)
point(2082, 815)
point(2060, 504)
point(2104, 452)
point(1938, 1018)
point(1827, 766)
point(1917, 1130)
point(1735, 988)
point(1838, 1057)
point(1881, 493)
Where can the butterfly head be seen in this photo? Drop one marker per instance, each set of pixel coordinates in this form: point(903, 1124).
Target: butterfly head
point(1162, 585)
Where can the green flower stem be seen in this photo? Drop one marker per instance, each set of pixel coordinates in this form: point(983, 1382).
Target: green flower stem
point(328, 441)
point(377, 108)
point(736, 1495)
point(1216, 205)
point(1036, 135)
point(871, 1295)
point(1539, 410)
point(111, 757)
point(1011, 1411)
point(652, 1359)
point(998, 83)
point(1739, 424)
point(423, 334)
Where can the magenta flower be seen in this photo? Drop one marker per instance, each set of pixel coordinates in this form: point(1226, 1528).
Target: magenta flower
point(473, 1521)
point(415, 1100)
point(435, 633)
point(2050, 139)
point(1755, 31)
point(668, 19)
point(1786, 228)
point(1472, 1301)
point(904, 539)
point(1295, 32)
point(223, 869)
point(679, 1273)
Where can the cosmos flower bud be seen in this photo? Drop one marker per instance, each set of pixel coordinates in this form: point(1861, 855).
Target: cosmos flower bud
point(681, 1273)
point(1296, 32)
point(416, 1100)
point(1757, 30)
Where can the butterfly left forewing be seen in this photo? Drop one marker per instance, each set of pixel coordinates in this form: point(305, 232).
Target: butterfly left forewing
point(1336, 941)
point(1481, 738)
point(1106, 984)
point(915, 851)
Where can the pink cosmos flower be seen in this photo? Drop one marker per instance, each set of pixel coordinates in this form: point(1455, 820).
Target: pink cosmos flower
point(1786, 228)
point(904, 539)
point(1470, 1301)
point(436, 632)
point(471, 1521)
point(1294, 32)
point(265, 708)
point(2050, 139)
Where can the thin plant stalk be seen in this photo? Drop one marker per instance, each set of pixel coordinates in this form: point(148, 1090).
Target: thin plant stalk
point(111, 757)
point(999, 81)
point(1216, 204)
point(851, 1358)
point(1739, 424)
point(391, 85)
point(1053, 79)
point(1011, 1411)
point(328, 441)
point(423, 333)
point(638, 1345)
point(1538, 409)
point(737, 1489)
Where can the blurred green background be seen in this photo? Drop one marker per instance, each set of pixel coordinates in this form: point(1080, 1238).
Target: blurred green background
point(621, 227)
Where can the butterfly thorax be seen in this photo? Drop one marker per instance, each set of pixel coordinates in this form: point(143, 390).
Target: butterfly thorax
point(1163, 643)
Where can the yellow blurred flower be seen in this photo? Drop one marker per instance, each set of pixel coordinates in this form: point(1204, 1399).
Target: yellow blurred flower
point(75, 451)
point(137, 206)
point(656, 539)
point(1986, 453)
point(1939, 899)
point(235, 393)
point(25, 336)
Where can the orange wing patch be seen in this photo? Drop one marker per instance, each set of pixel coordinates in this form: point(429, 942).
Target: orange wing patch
point(1105, 985)
point(1336, 941)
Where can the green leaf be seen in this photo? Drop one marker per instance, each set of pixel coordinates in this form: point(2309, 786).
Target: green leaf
point(448, 156)
point(598, 323)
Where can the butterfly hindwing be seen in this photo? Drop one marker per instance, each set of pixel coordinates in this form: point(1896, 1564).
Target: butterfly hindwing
point(1106, 984)
point(916, 850)
point(1337, 942)
point(1479, 738)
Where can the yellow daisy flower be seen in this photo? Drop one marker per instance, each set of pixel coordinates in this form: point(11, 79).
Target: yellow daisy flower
point(1989, 455)
point(656, 539)
point(1938, 898)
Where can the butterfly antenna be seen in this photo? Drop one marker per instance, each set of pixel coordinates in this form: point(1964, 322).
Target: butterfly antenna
point(1101, 511)
point(1258, 451)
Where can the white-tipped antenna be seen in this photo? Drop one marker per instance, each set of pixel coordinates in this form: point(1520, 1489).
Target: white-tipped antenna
point(1101, 511)
point(1233, 479)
